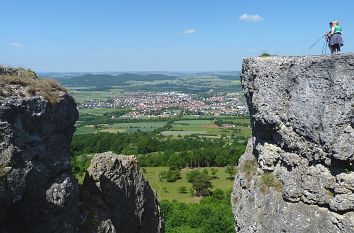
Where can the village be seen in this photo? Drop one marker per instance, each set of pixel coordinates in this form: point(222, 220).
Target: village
point(167, 104)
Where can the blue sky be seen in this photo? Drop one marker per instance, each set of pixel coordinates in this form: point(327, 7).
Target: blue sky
point(162, 35)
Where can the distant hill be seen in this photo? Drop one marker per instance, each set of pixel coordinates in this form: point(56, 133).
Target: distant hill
point(229, 77)
point(107, 80)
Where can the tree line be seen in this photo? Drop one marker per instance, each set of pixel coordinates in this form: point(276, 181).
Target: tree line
point(153, 150)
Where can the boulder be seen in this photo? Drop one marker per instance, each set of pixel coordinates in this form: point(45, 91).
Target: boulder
point(123, 200)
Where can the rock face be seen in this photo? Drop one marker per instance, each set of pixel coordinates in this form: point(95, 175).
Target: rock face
point(297, 173)
point(37, 191)
point(124, 200)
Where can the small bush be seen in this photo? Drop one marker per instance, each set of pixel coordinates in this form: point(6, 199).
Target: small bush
point(192, 174)
point(265, 55)
point(182, 189)
point(231, 170)
point(213, 172)
point(269, 180)
point(249, 168)
point(171, 175)
point(330, 193)
point(3, 171)
point(218, 194)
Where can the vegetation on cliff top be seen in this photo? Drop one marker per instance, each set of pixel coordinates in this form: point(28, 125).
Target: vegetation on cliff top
point(24, 82)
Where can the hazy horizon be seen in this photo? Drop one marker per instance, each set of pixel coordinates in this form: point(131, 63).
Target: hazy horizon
point(173, 36)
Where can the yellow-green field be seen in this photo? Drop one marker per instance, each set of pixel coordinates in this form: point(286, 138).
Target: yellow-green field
point(82, 95)
point(169, 190)
point(122, 127)
point(206, 128)
point(98, 111)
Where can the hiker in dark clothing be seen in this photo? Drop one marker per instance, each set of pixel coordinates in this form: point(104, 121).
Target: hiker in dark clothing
point(334, 37)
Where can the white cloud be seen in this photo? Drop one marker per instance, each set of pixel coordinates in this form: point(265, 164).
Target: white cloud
point(16, 44)
point(189, 31)
point(251, 18)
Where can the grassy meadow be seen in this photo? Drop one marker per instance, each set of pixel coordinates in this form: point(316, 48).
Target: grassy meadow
point(205, 128)
point(169, 190)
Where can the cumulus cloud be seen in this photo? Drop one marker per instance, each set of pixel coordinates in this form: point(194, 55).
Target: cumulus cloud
point(251, 18)
point(16, 44)
point(189, 31)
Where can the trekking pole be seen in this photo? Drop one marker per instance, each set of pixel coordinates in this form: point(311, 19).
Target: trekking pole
point(317, 41)
point(324, 47)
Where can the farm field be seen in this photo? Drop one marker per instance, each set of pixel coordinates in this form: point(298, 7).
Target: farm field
point(206, 128)
point(81, 95)
point(87, 129)
point(169, 190)
point(98, 111)
point(179, 128)
point(121, 127)
point(133, 127)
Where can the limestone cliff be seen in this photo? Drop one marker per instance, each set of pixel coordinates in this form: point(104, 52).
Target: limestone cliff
point(297, 172)
point(124, 201)
point(37, 190)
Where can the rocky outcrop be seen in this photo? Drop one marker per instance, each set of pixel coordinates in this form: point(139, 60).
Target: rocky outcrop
point(37, 191)
point(297, 174)
point(124, 200)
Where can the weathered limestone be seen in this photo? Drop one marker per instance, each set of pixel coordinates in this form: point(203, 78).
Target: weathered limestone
point(302, 111)
point(37, 191)
point(127, 204)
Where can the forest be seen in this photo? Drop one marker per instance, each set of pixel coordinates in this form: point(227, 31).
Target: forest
point(152, 151)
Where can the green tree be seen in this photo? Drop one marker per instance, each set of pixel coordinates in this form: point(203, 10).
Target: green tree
point(182, 189)
point(231, 170)
point(212, 215)
point(213, 171)
point(202, 185)
point(173, 174)
point(192, 174)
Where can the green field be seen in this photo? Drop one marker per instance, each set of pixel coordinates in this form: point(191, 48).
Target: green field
point(169, 190)
point(121, 127)
point(87, 129)
point(208, 80)
point(133, 127)
point(179, 128)
point(181, 133)
point(82, 95)
point(98, 111)
point(207, 128)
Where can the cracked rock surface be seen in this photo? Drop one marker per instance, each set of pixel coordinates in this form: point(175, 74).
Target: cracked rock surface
point(124, 200)
point(297, 173)
point(37, 191)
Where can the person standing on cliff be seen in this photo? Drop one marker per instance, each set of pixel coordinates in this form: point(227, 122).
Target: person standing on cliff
point(334, 37)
